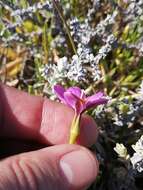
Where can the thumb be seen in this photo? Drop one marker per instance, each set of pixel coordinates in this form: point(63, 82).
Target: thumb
point(60, 167)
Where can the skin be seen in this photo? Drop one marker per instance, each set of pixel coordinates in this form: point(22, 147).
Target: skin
point(35, 153)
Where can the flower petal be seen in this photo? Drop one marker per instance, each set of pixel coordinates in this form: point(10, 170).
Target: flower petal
point(70, 99)
point(59, 91)
point(76, 103)
point(95, 96)
point(96, 99)
point(76, 91)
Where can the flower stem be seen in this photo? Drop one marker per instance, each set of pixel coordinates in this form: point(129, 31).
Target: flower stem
point(74, 132)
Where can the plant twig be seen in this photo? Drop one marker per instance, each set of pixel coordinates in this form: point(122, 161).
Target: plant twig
point(65, 24)
point(11, 65)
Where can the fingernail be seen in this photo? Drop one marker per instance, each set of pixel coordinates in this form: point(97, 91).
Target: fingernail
point(79, 168)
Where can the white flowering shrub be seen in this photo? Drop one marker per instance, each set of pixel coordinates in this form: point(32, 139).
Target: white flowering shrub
point(96, 45)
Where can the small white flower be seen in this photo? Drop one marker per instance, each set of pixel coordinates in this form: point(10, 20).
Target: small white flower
point(138, 147)
point(121, 150)
point(62, 64)
point(137, 158)
point(137, 162)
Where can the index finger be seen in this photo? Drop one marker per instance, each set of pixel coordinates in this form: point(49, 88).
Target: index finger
point(23, 116)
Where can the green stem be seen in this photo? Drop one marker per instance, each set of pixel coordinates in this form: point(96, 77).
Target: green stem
point(66, 26)
point(74, 131)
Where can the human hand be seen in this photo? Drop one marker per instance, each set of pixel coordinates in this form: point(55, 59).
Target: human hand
point(28, 125)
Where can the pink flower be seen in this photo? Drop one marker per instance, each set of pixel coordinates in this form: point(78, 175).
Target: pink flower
point(76, 98)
